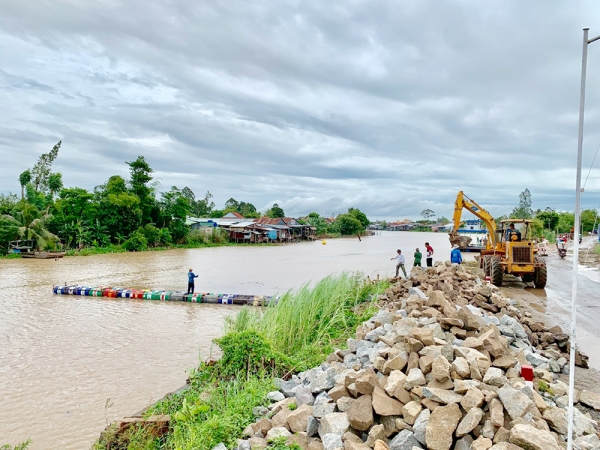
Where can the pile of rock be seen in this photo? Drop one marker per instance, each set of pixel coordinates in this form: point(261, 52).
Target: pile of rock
point(438, 369)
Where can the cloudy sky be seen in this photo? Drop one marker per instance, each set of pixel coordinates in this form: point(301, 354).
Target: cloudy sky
point(388, 106)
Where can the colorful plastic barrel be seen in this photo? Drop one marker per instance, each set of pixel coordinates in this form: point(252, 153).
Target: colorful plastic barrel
point(165, 295)
point(105, 291)
point(138, 294)
point(211, 298)
point(87, 291)
point(97, 292)
point(227, 299)
point(55, 289)
point(155, 295)
point(177, 296)
point(147, 295)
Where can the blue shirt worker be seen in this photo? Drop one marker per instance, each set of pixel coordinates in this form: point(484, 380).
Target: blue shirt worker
point(455, 255)
point(191, 277)
point(400, 263)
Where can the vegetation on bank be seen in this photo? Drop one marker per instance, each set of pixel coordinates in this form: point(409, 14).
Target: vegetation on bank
point(131, 214)
point(258, 347)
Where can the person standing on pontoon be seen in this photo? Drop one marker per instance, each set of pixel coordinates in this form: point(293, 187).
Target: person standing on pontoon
point(191, 277)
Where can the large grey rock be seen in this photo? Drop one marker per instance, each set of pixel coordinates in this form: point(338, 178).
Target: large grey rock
point(322, 409)
point(405, 440)
point(332, 441)
point(589, 442)
point(535, 359)
point(243, 445)
point(516, 403)
point(464, 444)
point(275, 396)
point(418, 292)
point(440, 429)
point(375, 334)
point(495, 377)
point(312, 427)
point(590, 399)
point(336, 423)
point(582, 424)
point(220, 446)
point(529, 437)
point(304, 396)
point(421, 425)
point(289, 387)
point(512, 323)
point(323, 381)
point(415, 378)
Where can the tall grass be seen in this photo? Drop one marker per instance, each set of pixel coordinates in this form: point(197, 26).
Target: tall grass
point(307, 322)
point(295, 335)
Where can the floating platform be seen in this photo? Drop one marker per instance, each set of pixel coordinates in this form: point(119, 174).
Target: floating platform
point(170, 296)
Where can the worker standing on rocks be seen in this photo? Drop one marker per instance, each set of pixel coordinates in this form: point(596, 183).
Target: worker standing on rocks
point(418, 255)
point(455, 255)
point(429, 250)
point(191, 277)
point(400, 264)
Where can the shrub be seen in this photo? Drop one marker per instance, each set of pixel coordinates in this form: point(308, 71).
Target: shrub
point(151, 233)
point(136, 242)
point(165, 236)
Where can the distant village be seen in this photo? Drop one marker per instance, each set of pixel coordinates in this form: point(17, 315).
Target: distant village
point(407, 225)
point(256, 230)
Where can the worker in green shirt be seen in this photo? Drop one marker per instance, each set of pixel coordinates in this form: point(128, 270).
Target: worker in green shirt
point(417, 257)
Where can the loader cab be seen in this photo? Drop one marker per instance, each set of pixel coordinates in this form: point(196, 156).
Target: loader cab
point(514, 230)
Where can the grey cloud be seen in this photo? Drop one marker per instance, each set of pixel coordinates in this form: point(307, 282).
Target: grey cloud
point(386, 106)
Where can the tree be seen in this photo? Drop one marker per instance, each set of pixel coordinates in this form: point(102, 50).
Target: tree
point(204, 207)
point(140, 177)
point(427, 214)
point(232, 205)
point(42, 169)
point(55, 183)
point(24, 180)
point(548, 218)
point(523, 211)
point(275, 212)
point(443, 220)
point(588, 218)
point(31, 224)
point(348, 225)
point(174, 206)
point(360, 216)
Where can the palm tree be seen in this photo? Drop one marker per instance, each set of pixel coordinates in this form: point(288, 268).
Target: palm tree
point(31, 224)
point(24, 179)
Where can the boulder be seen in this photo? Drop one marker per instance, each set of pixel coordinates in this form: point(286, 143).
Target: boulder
point(420, 425)
point(297, 421)
point(385, 405)
point(366, 382)
point(396, 363)
point(440, 368)
point(505, 362)
point(275, 396)
point(557, 420)
point(332, 441)
point(336, 423)
point(590, 399)
point(344, 403)
point(353, 445)
point(315, 444)
point(472, 399)
point(442, 395)
point(411, 411)
point(323, 381)
point(528, 437)
point(415, 378)
point(396, 379)
point(496, 413)
point(336, 392)
point(380, 445)
point(425, 335)
point(589, 442)
point(469, 422)
point(516, 403)
point(312, 427)
point(441, 426)
point(461, 367)
point(377, 432)
point(495, 377)
point(464, 443)
point(277, 432)
point(481, 443)
point(360, 413)
point(405, 440)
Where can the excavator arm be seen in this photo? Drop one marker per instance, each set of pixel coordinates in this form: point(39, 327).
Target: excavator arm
point(462, 201)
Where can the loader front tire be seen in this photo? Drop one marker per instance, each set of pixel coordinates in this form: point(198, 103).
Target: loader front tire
point(496, 271)
point(540, 276)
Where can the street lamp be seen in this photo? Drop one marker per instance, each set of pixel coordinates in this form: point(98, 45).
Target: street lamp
point(578, 190)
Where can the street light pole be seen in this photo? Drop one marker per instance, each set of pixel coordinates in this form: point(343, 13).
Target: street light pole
point(586, 42)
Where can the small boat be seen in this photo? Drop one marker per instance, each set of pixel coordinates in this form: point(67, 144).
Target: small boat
point(24, 247)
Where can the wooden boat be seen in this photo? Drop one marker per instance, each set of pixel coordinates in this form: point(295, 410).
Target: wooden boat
point(43, 255)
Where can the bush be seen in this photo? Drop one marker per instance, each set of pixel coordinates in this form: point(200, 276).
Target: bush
point(136, 242)
point(151, 233)
point(179, 230)
point(164, 236)
point(195, 237)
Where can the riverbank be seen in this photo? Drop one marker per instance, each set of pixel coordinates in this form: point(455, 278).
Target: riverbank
point(194, 425)
point(257, 349)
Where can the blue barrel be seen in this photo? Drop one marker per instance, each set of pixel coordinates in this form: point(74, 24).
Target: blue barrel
point(87, 291)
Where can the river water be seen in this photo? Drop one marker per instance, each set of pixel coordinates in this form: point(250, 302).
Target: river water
point(70, 365)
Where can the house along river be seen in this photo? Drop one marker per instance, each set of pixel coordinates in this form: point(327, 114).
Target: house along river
point(70, 365)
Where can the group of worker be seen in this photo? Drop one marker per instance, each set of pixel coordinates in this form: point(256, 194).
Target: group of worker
point(401, 260)
point(455, 258)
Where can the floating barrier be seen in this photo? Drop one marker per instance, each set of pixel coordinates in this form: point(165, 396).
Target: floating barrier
point(169, 296)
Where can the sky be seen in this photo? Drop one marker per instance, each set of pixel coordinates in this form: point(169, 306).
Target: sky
point(391, 107)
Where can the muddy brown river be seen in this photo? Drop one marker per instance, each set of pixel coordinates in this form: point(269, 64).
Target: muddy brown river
point(70, 365)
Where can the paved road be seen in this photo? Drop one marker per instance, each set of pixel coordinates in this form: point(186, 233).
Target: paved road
point(558, 293)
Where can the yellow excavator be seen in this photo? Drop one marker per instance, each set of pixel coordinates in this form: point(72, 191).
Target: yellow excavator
point(508, 247)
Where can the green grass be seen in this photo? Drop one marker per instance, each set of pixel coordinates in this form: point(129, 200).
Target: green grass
point(293, 336)
point(597, 249)
point(21, 446)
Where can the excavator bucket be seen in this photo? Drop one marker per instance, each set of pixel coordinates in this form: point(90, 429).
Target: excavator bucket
point(457, 239)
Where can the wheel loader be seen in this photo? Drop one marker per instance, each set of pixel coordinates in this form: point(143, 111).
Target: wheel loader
point(508, 247)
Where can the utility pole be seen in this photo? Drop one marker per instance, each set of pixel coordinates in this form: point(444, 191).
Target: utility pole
point(576, 230)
